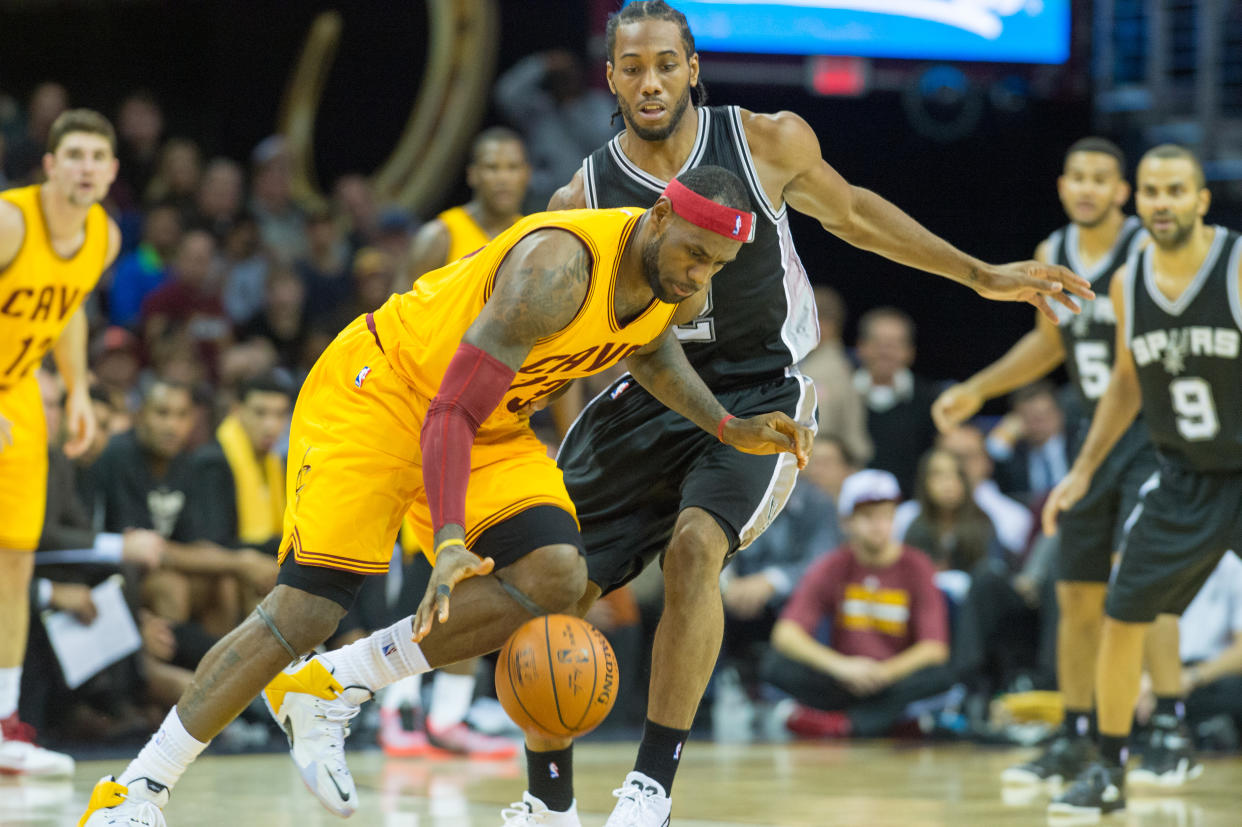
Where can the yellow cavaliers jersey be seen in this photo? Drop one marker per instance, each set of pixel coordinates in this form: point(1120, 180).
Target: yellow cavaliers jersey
point(422, 329)
point(39, 290)
point(465, 234)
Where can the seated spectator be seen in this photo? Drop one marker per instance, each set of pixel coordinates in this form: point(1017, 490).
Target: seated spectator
point(237, 475)
point(948, 524)
point(841, 410)
point(898, 402)
point(325, 270)
point(139, 273)
point(1031, 446)
point(374, 272)
point(187, 307)
point(282, 317)
point(177, 177)
point(761, 576)
point(24, 156)
point(144, 479)
point(1012, 520)
point(116, 359)
point(244, 266)
point(220, 198)
point(139, 131)
point(353, 197)
point(282, 223)
point(888, 639)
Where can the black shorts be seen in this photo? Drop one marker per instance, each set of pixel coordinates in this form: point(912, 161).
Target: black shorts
point(631, 466)
point(1185, 522)
point(1092, 530)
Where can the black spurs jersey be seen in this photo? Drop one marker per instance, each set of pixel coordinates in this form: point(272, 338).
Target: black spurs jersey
point(1186, 352)
point(1090, 337)
point(760, 315)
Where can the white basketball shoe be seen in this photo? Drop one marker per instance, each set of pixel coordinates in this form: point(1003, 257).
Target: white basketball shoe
point(531, 812)
point(112, 805)
point(20, 755)
point(314, 710)
point(642, 802)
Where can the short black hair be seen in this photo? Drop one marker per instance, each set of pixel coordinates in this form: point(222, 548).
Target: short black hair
point(268, 382)
point(876, 313)
point(165, 382)
point(494, 134)
point(718, 184)
point(1178, 151)
point(654, 10)
point(1094, 143)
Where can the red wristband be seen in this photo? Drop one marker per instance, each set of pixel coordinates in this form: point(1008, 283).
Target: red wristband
point(720, 426)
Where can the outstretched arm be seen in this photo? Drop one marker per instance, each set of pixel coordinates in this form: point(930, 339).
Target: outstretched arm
point(539, 289)
point(870, 222)
point(1115, 412)
point(662, 368)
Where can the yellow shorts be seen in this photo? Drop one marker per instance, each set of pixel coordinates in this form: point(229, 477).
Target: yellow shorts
point(23, 467)
point(355, 466)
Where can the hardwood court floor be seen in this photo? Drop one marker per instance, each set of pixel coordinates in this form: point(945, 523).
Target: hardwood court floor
point(798, 785)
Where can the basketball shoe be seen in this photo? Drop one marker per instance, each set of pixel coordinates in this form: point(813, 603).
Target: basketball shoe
point(1168, 758)
point(398, 741)
point(1062, 761)
point(314, 710)
point(461, 739)
point(531, 812)
point(1099, 789)
point(20, 755)
point(112, 805)
point(642, 802)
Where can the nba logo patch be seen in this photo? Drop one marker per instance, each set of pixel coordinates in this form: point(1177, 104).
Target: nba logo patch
point(360, 378)
point(390, 647)
point(621, 388)
point(677, 751)
point(553, 770)
point(737, 225)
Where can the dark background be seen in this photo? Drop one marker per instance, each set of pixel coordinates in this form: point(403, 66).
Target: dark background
point(219, 69)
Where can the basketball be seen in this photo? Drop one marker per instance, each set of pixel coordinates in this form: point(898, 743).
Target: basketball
point(557, 676)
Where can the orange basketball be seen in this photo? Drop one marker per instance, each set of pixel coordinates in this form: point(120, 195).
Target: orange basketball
point(557, 676)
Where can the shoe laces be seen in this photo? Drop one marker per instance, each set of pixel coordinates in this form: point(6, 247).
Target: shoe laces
point(334, 719)
point(518, 814)
point(635, 800)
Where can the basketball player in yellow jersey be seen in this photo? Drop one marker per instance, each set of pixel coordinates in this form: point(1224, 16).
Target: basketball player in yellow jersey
point(405, 406)
point(498, 176)
point(55, 241)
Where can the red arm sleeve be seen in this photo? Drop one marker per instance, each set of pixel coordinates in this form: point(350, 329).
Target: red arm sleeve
point(473, 386)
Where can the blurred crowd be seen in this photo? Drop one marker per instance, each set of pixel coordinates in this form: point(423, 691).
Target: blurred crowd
point(227, 290)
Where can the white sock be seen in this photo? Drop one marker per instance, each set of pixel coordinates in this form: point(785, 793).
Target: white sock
point(165, 757)
point(404, 692)
point(10, 686)
point(450, 700)
point(382, 658)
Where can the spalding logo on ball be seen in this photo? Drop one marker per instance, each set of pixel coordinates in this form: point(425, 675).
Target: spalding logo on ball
point(557, 676)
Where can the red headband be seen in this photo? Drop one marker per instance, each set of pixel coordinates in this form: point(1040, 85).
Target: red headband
point(737, 225)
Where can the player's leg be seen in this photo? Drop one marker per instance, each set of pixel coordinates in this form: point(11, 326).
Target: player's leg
point(23, 496)
point(1168, 758)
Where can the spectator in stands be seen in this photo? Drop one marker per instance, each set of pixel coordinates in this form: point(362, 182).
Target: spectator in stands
point(353, 198)
point(325, 270)
point(888, 638)
point(238, 476)
point(898, 402)
point(760, 577)
point(282, 318)
point(374, 272)
point(841, 409)
point(139, 131)
point(221, 197)
point(949, 525)
point(1031, 446)
point(177, 177)
point(563, 120)
point(394, 230)
point(145, 269)
point(186, 310)
point(116, 359)
point(282, 223)
point(144, 479)
point(244, 266)
point(24, 156)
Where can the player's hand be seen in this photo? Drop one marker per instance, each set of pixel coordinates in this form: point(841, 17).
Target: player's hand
point(746, 596)
point(862, 676)
point(1063, 497)
point(79, 423)
point(453, 565)
point(257, 569)
point(143, 547)
point(956, 405)
point(158, 640)
point(770, 433)
point(1033, 282)
point(75, 599)
point(6, 433)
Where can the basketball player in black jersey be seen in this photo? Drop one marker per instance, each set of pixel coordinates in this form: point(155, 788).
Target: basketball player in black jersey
point(644, 485)
point(1099, 237)
point(1179, 333)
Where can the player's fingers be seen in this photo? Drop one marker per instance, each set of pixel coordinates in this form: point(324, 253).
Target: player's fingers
point(1072, 282)
point(1041, 304)
point(443, 592)
point(1052, 508)
point(1066, 300)
point(479, 569)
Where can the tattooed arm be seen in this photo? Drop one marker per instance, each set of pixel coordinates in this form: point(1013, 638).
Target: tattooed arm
point(662, 368)
point(539, 289)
